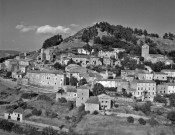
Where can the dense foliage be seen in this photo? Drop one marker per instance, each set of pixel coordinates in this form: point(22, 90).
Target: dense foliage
point(98, 89)
point(53, 41)
point(169, 36)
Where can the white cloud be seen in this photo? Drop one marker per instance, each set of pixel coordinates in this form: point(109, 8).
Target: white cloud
point(24, 28)
point(74, 25)
point(47, 29)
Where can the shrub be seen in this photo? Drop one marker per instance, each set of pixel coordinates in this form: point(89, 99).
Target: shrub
point(49, 131)
point(171, 117)
point(142, 121)
point(95, 112)
point(81, 108)
point(44, 97)
point(53, 115)
point(153, 122)
point(36, 112)
point(62, 100)
point(70, 105)
point(28, 115)
point(130, 119)
point(26, 96)
point(17, 129)
point(67, 117)
point(116, 105)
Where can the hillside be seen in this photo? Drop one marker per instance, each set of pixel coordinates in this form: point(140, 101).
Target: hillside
point(117, 36)
point(6, 53)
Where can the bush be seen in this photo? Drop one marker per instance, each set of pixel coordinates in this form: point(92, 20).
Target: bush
point(95, 112)
point(5, 125)
point(153, 122)
point(70, 105)
point(81, 108)
point(49, 131)
point(28, 115)
point(54, 115)
point(44, 97)
point(17, 129)
point(62, 100)
point(142, 121)
point(67, 117)
point(171, 117)
point(116, 105)
point(130, 119)
point(36, 112)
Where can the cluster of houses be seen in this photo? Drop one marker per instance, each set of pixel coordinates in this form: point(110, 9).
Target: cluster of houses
point(142, 84)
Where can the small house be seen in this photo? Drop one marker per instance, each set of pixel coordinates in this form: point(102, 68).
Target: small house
point(16, 115)
point(92, 104)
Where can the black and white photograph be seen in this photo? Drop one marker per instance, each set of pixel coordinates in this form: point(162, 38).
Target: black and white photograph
point(87, 67)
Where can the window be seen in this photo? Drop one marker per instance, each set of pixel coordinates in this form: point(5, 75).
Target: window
point(106, 101)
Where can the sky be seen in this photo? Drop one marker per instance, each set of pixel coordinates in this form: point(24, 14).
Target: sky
point(25, 24)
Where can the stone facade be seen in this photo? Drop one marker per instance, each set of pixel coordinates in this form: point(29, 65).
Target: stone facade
point(169, 72)
point(53, 79)
point(105, 101)
point(160, 76)
point(145, 76)
point(144, 89)
point(92, 104)
point(82, 95)
point(166, 88)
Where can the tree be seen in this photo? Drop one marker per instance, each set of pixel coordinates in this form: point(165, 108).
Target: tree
point(52, 41)
point(17, 129)
point(171, 117)
point(130, 119)
point(142, 121)
point(36, 112)
point(70, 105)
point(49, 131)
point(98, 89)
point(73, 81)
point(83, 81)
point(160, 99)
point(62, 100)
point(58, 66)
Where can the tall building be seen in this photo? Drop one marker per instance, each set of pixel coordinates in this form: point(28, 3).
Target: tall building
point(145, 51)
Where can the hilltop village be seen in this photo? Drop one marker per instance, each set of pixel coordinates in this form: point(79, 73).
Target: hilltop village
point(95, 81)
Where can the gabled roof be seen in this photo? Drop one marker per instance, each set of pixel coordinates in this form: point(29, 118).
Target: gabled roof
point(104, 96)
point(93, 100)
point(19, 110)
point(84, 87)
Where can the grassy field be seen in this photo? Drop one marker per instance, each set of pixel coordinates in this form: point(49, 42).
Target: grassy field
point(112, 125)
point(6, 133)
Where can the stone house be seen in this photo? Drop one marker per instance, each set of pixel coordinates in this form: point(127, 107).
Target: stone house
point(168, 72)
point(92, 104)
point(125, 73)
point(166, 88)
point(54, 79)
point(107, 74)
point(82, 95)
point(107, 54)
point(145, 76)
point(160, 76)
point(95, 61)
point(16, 115)
point(114, 83)
point(69, 95)
point(117, 50)
point(105, 101)
point(130, 78)
point(10, 64)
point(83, 51)
point(143, 89)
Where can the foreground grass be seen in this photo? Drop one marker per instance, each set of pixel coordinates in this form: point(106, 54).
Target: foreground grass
point(112, 125)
